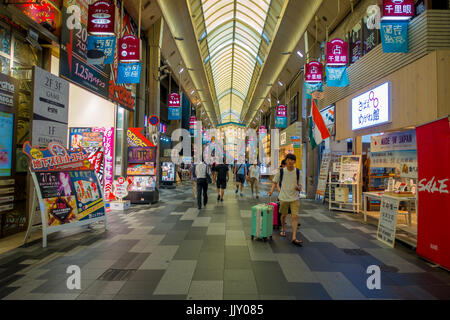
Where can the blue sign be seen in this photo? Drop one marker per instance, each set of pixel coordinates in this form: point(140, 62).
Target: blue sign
point(280, 122)
point(337, 76)
point(129, 73)
point(100, 50)
point(174, 113)
point(394, 36)
point(6, 143)
point(311, 87)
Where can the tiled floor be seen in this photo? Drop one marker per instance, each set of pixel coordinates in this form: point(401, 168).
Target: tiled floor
point(171, 250)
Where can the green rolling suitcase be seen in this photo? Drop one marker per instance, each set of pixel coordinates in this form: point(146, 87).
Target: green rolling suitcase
point(262, 222)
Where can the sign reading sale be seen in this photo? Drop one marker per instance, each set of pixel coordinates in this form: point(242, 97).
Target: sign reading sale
point(313, 72)
point(337, 52)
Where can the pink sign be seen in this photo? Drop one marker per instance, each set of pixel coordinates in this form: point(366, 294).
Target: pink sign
point(174, 100)
point(129, 48)
point(262, 130)
point(398, 8)
point(108, 144)
point(281, 111)
point(101, 18)
point(337, 52)
point(192, 121)
point(313, 72)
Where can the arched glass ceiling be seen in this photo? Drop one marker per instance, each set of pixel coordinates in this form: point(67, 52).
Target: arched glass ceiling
point(233, 33)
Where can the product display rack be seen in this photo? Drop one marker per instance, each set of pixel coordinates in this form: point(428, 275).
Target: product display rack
point(350, 206)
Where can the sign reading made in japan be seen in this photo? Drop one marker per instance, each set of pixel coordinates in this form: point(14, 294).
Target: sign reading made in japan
point(371, 108)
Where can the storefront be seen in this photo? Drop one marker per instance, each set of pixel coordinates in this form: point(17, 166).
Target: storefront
point(381, 119)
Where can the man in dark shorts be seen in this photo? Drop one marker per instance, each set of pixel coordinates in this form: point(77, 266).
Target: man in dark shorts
point(221, 176)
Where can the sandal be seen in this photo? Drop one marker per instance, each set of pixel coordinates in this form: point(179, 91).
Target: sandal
point(283, 233)
point(297, 242)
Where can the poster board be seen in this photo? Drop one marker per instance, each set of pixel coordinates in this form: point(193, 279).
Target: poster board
point(323, 175)
point(67, 188)
point(387, 225)
point(350, 169)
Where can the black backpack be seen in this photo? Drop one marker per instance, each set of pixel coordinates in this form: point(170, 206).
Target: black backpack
point(281, 175)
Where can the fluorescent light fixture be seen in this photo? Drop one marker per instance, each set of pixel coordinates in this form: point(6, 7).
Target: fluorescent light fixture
point(300, 53)
point(181, 70)
point(268, 99)
point(192, 91)
point(280, 83)
point(278, 101)
point(198, 103)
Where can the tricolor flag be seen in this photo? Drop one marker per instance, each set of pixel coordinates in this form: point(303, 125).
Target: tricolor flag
point(317, 129)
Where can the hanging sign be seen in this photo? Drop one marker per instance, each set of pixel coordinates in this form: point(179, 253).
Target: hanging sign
point(129, 73)
point(398, 9)
point(312, 87)
point(337, 52)
point(101, 18)
point(129, 48)
point(371, 108)
point(337, 76)
point(50, 108)
point(387, 224)
point(405, 140)
point(136, 138)
point(174, 100)
point(174, 114)
point(100, 50)
point(394, 36)
point(313, 72)
point(281, 117)
point(262, 130)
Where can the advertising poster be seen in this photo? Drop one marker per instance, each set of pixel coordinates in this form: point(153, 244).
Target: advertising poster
point(100, 50)
point(88, 194)
point(9, 88)
point(142, 183)
point(108, 154)
point(141, 169)
point(6, 143)
point(76, 137)
point(50, 108)
point(350, 168)
point(92, 139)
point(168, 172)
point(54, 184)
point(323, 175)
point(141, 154)
point(388, 221)
point(60, 210)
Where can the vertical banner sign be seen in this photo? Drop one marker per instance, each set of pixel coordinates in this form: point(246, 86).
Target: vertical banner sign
point(129, 73)
point(100, 50)
point(312, 87)
point(388, 221)
point(337, 52)
point(394, 36)
point(101, 18)
point(281, 118)
point(433, 186)
point(394, 9)
point(108, 149)
point(174, 106)
point(50, 108)
point(192, 122)
point(337, 76)
point(129, 49)
point(313, 72)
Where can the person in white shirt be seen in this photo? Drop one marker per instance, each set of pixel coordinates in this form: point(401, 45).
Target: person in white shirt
point(254, 177)
point(202, 184)
point(288, 178)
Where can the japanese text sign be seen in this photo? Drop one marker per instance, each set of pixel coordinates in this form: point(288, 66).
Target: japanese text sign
point(281, 118)
point(129, 48)
point(101, 18)
point(371, 108)
point(174, 100)
point(129, 72)
point(394, 36)
point(100, 50)
point(313, 72)
point(337, 52)
point(398, 9)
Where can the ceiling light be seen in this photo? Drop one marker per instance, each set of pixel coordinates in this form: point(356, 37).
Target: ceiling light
point(268, 99)
point(280, 83)
point(192, 92)
point(181, 70)
point(300, 53)
point(286, 53)
point(179, 38)
point(278, 101)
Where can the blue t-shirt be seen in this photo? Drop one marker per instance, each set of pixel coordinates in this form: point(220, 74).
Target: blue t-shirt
point(240, 169)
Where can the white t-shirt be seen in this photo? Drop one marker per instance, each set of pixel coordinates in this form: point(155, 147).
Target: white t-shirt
point(254, 172)
point(288, 192)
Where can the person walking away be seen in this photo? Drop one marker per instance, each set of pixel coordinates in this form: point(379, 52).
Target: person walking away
point(254, 177)
point(221, 176)
point(202, 184)
point(288, 178)
point(240, 172)
point(193, 180)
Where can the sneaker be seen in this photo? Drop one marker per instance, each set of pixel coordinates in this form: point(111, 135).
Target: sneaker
point(221, 199)
point(218, 197)
point(242, 194)
point(236, 191)
point(199, 208)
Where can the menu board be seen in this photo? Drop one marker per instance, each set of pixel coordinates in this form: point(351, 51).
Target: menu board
point(323, 175)
point(6, 143)
point(388, 220)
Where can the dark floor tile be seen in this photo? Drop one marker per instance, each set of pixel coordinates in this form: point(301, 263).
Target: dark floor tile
point(6, 291)
point(308, 291)
point(196, 233)
point(208, 273)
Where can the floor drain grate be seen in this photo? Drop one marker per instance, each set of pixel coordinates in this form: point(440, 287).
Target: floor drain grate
point(355, 252)
point(117, 275)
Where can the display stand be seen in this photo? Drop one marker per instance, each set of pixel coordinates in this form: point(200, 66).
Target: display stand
point(168, 172)
point(349, 179)
point(67, 190)
point(120, 191)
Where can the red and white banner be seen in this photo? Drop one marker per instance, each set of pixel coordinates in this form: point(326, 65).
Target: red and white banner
point(337, 52)
point(101, 18)
point(174, 100)
point(129, 48)
point(433, 187)
point(398, 9)
point(281, 111)
point(313, 72)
